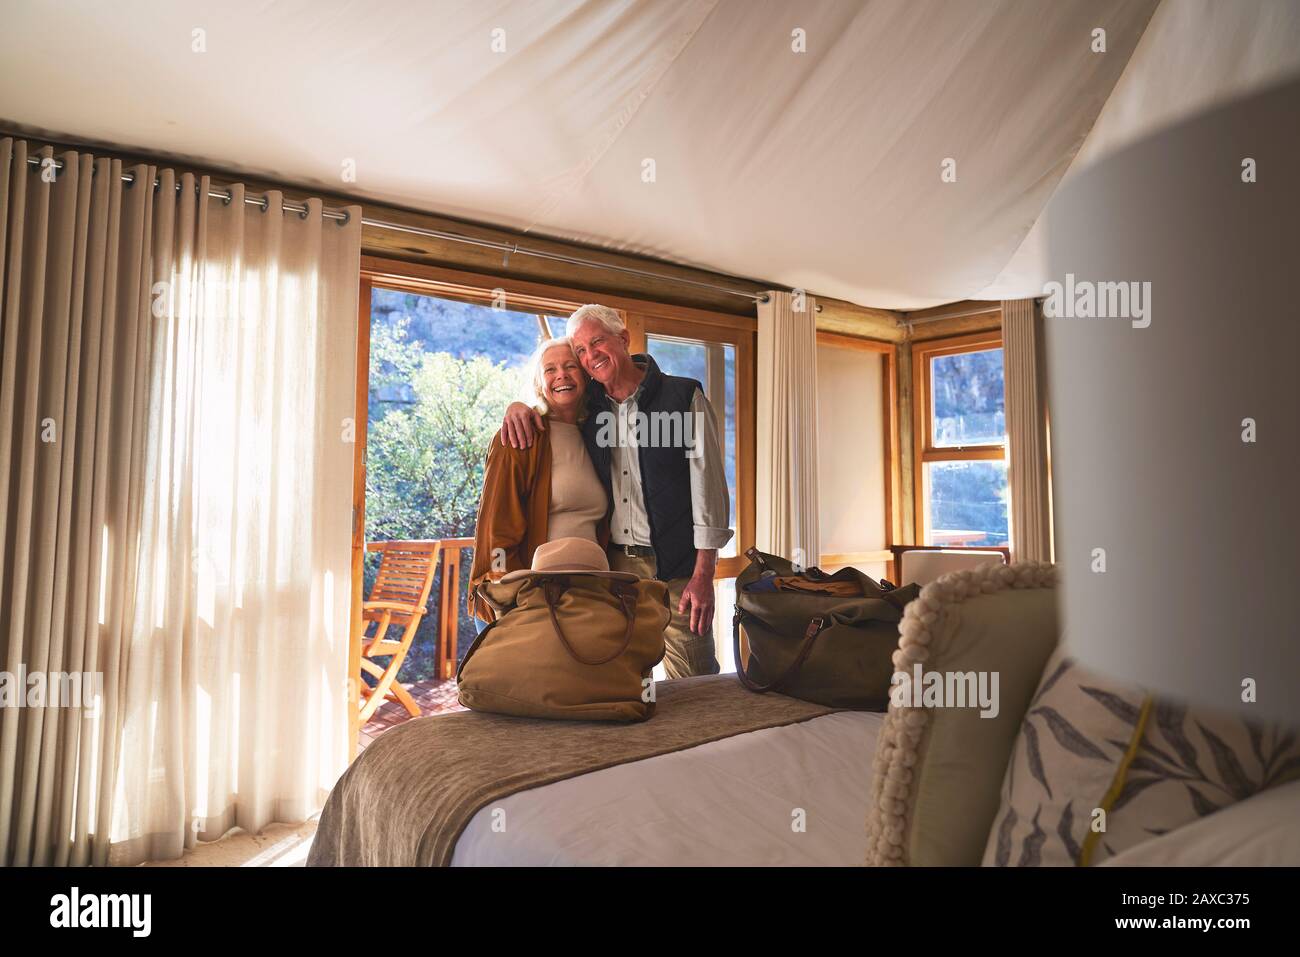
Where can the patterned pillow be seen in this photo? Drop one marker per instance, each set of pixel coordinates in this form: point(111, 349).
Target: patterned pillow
point(1099, 768)
point(1190, 764)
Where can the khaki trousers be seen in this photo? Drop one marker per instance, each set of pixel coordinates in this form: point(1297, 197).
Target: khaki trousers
point(685, 653)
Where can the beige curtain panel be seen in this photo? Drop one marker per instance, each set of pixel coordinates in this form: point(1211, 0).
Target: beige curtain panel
point(176, 402)
point(1027, 450)
point(786, 487)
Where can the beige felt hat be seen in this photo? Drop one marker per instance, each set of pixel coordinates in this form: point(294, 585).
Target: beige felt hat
point(569, 556)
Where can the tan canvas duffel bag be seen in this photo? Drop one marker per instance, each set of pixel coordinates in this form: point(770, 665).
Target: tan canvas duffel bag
point(567, 643)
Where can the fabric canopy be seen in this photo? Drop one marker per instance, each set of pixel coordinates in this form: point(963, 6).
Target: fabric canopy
point(661, 128)
point(665, 127)
point(1194, 55)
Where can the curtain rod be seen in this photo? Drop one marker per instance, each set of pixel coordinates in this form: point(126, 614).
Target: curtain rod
point(224, 195)
point(962, 314)
point(510, 249)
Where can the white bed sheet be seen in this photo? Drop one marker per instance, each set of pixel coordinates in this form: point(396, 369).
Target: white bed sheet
point(729, 802)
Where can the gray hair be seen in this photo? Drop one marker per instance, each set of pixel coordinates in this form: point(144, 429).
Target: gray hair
point(534, 384)
point(606, 316)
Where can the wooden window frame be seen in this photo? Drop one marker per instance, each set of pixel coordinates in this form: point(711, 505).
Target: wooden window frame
point(924, 451)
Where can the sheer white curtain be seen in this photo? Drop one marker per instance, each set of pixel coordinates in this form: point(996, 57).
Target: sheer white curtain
point(786, 517)
point(234, 705)
point(1027, 452)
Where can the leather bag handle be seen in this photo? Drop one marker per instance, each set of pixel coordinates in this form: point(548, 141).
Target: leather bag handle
point(552, 591)
point(474, 645)
point(816, 625)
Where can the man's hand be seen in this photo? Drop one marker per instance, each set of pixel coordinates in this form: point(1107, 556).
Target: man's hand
point(698, 597)
point(698, 593)
point(520, 422)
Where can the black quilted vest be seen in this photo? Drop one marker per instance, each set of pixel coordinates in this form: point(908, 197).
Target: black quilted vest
point(665, 470)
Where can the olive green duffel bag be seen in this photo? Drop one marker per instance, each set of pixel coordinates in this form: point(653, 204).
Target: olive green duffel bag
point(836, 650)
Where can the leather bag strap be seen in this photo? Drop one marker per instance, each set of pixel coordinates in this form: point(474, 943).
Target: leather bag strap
point(552, 590)
point(474, 646)
point(816, 626)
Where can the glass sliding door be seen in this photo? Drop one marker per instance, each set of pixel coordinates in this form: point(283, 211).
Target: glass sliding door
point(439, 360)
point(713, 365)
point(442, 372)
point(721, 360)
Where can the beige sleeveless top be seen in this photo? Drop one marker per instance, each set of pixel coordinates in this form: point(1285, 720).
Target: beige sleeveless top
point(577, 497)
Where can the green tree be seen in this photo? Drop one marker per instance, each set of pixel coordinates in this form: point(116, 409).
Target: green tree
point(426, 448)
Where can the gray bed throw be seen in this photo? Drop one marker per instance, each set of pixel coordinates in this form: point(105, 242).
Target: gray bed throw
point(410, 794)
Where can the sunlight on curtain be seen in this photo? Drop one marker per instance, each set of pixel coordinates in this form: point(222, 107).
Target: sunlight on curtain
point(175, 506)
point(234, 710)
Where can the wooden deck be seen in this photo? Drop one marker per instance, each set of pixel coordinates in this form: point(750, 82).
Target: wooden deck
point(433, 697)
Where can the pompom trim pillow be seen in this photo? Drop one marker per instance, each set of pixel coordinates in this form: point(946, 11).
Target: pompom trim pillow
point(945, 627)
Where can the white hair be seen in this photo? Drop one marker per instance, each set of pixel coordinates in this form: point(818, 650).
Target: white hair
point(534, 384)
point(606, 316)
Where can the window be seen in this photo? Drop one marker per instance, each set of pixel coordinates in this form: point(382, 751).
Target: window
point(721, 357)
point(713, 364)
point(441, 372)
point(439, 359)
point(961, 475)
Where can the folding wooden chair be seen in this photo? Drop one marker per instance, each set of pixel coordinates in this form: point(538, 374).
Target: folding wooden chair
point(398, 598)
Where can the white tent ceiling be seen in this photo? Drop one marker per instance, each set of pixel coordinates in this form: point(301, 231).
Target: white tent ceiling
point(1194, 55)
point(819, 170)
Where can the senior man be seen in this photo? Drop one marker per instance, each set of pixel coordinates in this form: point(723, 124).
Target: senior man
point(653, 439)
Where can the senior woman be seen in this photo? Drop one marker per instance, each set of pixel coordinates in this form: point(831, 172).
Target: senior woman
point(535, 495)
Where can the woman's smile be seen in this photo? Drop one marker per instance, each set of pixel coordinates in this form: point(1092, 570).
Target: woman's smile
point(562, 379)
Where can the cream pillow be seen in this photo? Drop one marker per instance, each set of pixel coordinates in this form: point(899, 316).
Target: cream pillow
point(1101, 767)
point(938, 771)
point(1263, 831)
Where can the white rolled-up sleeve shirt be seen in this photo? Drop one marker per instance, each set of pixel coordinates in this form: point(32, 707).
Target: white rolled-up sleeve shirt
point(710, 502)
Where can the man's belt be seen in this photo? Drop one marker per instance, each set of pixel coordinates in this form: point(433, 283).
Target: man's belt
point(633, 551)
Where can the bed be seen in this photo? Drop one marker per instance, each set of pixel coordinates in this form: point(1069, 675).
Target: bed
point(719, 776)
point(729, 802)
